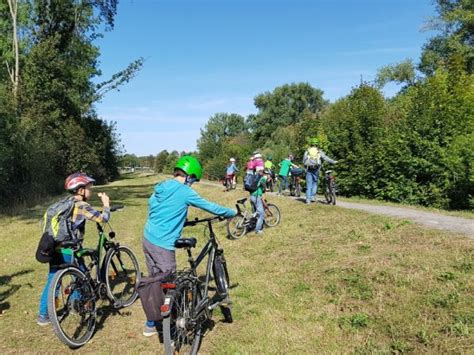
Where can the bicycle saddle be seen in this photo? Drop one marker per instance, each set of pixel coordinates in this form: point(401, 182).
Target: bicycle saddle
point(242, 200)
point(185, 243)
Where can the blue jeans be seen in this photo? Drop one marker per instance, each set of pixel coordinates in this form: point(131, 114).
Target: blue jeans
point(53, 269)
point(312, 177)
point(257, 200)
point(284, 180)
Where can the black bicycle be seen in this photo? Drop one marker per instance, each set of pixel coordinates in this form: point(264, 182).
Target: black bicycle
point(188, 305)
point(76, 288)
point(295, 181)
point(330, 191)
point(246, 220)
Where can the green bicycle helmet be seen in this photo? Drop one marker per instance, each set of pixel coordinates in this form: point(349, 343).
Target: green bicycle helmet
point(313, 141)
point(190, 165)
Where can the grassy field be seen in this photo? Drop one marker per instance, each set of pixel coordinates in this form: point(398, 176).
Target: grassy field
point(327, 280)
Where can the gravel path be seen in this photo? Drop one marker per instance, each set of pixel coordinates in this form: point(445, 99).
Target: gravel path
point(430, 219)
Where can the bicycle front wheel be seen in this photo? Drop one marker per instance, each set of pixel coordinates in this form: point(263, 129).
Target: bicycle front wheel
point(236, 228)
point(121, 276)
point(72, 307)
point(180, 334)
point(272, 215)
point(298, 190)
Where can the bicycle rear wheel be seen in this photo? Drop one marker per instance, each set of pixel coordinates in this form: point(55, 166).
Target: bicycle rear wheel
point(72, 307)
point(236, 228)
point(180, 334)
point(272, 215)
point(122, 274)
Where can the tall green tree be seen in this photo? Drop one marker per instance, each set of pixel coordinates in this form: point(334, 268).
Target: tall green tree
point(282, 107)
point(218, 129)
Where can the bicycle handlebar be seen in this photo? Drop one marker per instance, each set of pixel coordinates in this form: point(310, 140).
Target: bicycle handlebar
point(204, 220)
point(114, 208)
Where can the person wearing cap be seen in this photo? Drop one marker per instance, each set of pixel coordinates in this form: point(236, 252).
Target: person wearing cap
point(80, 187)
point(258, 160)
point(231, 170)
point(167, 211)
point(256, 198)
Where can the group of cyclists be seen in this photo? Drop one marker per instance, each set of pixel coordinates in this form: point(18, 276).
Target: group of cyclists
point(168, 208)
point(312, 160)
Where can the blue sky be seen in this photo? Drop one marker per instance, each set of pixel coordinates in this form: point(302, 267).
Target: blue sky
point(204, 57)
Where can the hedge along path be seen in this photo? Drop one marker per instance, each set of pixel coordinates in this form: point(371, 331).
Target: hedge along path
point(434, 220)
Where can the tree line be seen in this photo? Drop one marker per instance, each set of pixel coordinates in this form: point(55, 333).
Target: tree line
point(49, 83)
point(416, 147)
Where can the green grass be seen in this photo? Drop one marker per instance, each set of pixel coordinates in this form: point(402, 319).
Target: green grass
point(326, 280)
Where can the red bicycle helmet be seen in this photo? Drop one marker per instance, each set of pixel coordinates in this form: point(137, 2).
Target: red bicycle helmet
point(76, 181)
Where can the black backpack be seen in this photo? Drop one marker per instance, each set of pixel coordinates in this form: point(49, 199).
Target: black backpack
point(251, 183)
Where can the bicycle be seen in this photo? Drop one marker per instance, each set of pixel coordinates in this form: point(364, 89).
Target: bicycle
point(76, 287)
point(187, 308)
point(270, 184)
point(330, 191)
point(295, 185)
point(246, 220)
point(229, 182)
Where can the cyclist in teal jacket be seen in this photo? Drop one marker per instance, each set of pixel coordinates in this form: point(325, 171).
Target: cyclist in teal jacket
point(167, 212)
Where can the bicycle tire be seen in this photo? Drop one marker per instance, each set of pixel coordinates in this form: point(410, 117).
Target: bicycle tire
point(328, 196)
point(177, 338)
point(71, 289)
point(221, 275)
point(298, 190)
point(236, 227)
point(275, 214)
point(333, 196)
point(117, 269)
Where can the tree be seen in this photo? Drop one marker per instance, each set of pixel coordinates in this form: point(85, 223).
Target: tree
point(282, 107)
point(403, 72)
point(456, 24)
point(219, 127)
point(160, 161)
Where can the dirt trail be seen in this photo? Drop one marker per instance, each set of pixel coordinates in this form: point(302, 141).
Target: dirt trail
point(430, 219)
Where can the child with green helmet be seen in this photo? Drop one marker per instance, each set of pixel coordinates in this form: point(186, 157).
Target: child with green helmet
point(167, 212)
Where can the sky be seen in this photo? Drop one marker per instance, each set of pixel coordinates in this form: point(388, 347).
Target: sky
point(203, 57)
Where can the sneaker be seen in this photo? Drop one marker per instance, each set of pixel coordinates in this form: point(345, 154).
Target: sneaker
point(43, 320)
point(259, 232)
point(149, 331)
point(308, 202)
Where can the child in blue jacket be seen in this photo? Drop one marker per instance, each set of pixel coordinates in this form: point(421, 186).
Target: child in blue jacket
point(167, 212)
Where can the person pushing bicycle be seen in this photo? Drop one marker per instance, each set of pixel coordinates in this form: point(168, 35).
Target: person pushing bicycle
point(167, 211)
point(312, 162)
point(79, 185)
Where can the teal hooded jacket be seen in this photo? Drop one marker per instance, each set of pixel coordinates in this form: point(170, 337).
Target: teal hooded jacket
point(168, 209)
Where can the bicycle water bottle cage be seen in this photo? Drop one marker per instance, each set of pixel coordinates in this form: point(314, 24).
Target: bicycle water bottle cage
point(185, 243)
point(242, 200)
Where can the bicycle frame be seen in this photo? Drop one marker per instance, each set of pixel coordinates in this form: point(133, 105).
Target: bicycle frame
point(210, 249)
point(97, 263)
